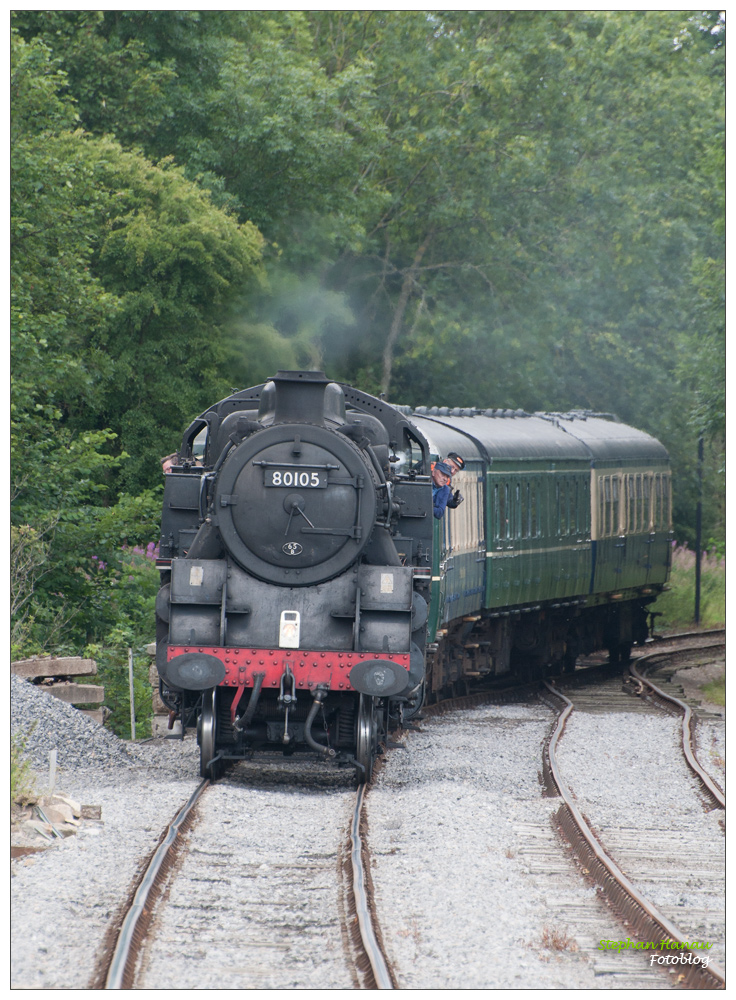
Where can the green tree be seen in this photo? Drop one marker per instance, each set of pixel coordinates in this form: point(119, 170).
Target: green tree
point(118, 85)
point(121, 269)
point(175, 262)
point(470, 162)
point(54, 301)
point(518, 208)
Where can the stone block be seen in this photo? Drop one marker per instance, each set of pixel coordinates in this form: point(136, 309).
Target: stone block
point(76, 694)
point(60, 812)
point(97, 715)
point(54, 666)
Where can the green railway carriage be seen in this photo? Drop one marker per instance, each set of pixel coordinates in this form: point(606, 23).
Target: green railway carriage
point(630, 492)
point(563, 541)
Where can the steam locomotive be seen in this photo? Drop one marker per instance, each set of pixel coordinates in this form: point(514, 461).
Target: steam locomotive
point(310, 601)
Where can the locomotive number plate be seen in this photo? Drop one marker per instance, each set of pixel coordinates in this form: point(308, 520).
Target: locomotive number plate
point(301, 478)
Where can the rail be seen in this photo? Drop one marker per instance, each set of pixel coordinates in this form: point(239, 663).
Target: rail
point(371, 958)
point(122, 964)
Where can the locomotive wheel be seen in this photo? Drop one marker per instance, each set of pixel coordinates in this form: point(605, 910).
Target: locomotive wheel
point(207, 736)
point(366, 739)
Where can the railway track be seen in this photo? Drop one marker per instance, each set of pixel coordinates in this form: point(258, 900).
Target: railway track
point(134, 956)
point(642, 918)
point(704, 638)
point(472, 888)
point(354, 934)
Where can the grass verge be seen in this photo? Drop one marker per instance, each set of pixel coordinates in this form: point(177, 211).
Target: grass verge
point(22, 776)
point(677, 605)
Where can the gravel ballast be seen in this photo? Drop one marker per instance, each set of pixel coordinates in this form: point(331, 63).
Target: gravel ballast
point(255, 897)
point(645, 805)
point(474, 888)
point(63, 898)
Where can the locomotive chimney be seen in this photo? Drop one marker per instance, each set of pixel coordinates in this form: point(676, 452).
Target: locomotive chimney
point(300, 397)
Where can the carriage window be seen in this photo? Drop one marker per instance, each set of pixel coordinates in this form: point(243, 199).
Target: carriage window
point(631, 506)
point(631, 496)
point(603, 501)
point(571, 506)
point(500, 496)
point(584, 524)
point(662, 503)
point(611, 512)
point(616, 491)
point(557, 507)
point(561, 508)
point(571, 499)
point(571, 514)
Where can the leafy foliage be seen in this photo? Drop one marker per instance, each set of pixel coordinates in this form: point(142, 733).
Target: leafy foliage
point(127, 588)
point(506, 208)
point(119, 266)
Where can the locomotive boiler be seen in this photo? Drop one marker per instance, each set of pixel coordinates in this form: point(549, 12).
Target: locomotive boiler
point(310, 601)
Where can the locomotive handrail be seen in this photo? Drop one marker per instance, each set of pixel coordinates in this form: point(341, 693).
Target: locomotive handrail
point(203, 480)
point(295, 465)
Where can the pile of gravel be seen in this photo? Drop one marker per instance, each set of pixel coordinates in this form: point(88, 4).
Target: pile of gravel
point(44, 722)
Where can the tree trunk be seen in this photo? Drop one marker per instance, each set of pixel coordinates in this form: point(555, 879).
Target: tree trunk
point(393, 335)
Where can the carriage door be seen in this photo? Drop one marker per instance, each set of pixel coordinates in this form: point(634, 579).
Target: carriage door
point(473, 491)
point(481, 519)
